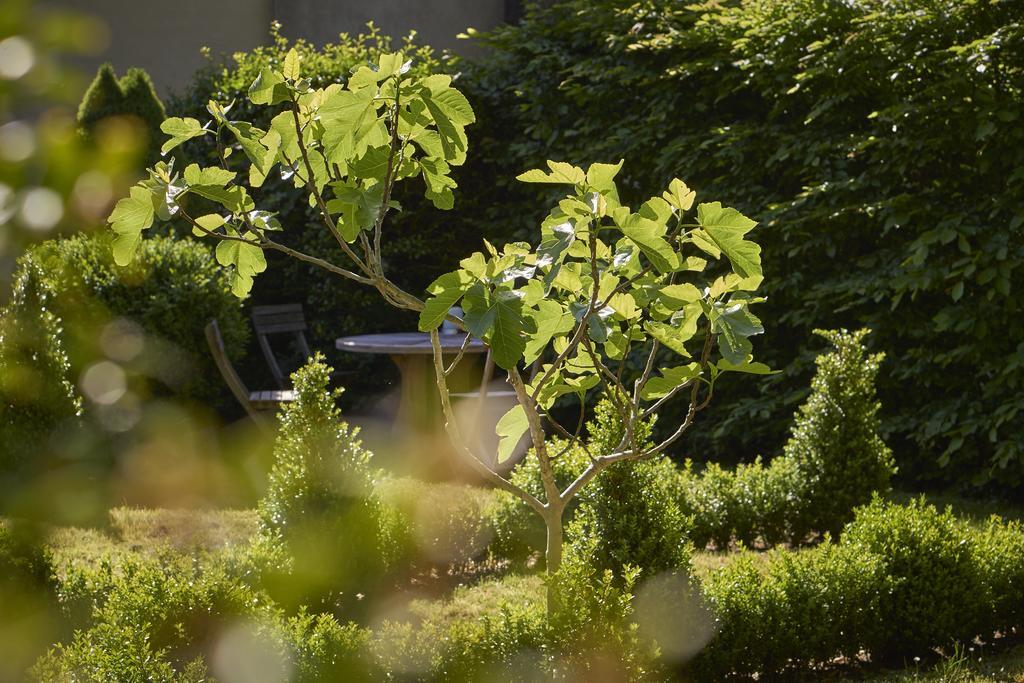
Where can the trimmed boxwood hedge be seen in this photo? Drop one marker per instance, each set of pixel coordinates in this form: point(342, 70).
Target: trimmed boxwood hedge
point(65, 294)
point(902, 579)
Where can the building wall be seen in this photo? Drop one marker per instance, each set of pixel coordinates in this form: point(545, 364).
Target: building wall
point(165, 36)
point(436, 22)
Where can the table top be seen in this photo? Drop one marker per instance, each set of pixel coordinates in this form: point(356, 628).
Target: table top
point(406, 343)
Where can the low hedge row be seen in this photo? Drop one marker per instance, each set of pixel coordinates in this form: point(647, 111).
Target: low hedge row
point(834, 461)
point(901, 579)
point(176, 618)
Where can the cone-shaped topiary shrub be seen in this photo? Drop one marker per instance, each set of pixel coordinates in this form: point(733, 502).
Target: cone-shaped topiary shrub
point(133, 95)
point(840, 459)
point(320, 499)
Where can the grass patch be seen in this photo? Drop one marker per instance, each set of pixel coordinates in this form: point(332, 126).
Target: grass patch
point(184, 530)
point(965, 666)
point(149, 533)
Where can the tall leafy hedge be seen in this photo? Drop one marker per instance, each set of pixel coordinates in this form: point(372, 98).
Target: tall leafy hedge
point(883, 135)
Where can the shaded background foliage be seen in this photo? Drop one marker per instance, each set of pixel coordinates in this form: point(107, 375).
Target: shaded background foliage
point(888, 189)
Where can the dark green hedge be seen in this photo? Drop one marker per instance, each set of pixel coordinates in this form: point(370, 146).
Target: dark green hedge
point(879, 144)
point(169, 293)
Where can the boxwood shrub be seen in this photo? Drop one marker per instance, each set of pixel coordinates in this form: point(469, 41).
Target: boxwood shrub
point(937, 593)
point(170, 292)
point(320, 500)
point(901, 580)
point(37, 389)
point(132, 96)
point(631, 512)
point(834, 462)
point(170, 618)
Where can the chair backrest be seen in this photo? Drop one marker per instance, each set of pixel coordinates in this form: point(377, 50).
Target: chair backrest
point(279, 319)
point(227, 370)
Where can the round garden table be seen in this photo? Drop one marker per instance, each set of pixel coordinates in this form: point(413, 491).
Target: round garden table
point(413, 354)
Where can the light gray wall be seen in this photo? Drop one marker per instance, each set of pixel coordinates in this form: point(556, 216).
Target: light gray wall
point(165, 36)
point(436, 22)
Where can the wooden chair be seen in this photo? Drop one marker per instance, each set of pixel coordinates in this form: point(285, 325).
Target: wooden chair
point(258, 404)
point(280, 319)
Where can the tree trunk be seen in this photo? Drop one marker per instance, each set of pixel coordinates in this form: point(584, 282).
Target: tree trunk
point(553, 557)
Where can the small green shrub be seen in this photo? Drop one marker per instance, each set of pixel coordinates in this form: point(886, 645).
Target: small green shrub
point(321, 649)
point(709, 497)
point(631, 514)
point(320, 498)
point(37, 395)
point(24, 562)
point(834, 462)
point(506, 646)
point(166, 618)
point(518, 531)
point(435, 522)
point(592, 629)
point(937, 592)
point(840, 459)
point(631, 510)
point(133, 96)
point(146, 619)
point(802, 607)
point(999, 550)
point(509, 637)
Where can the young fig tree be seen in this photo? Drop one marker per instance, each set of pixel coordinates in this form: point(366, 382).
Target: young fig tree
point(665, 288)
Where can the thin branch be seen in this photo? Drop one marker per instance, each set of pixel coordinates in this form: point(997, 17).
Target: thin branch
point(694, 406)
point(462, 351)
point(645, 375)
point(536, 434)
point(573, 438)
point(389, 179)
point(267, 243)
point(311, 186)
point(452, 427)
